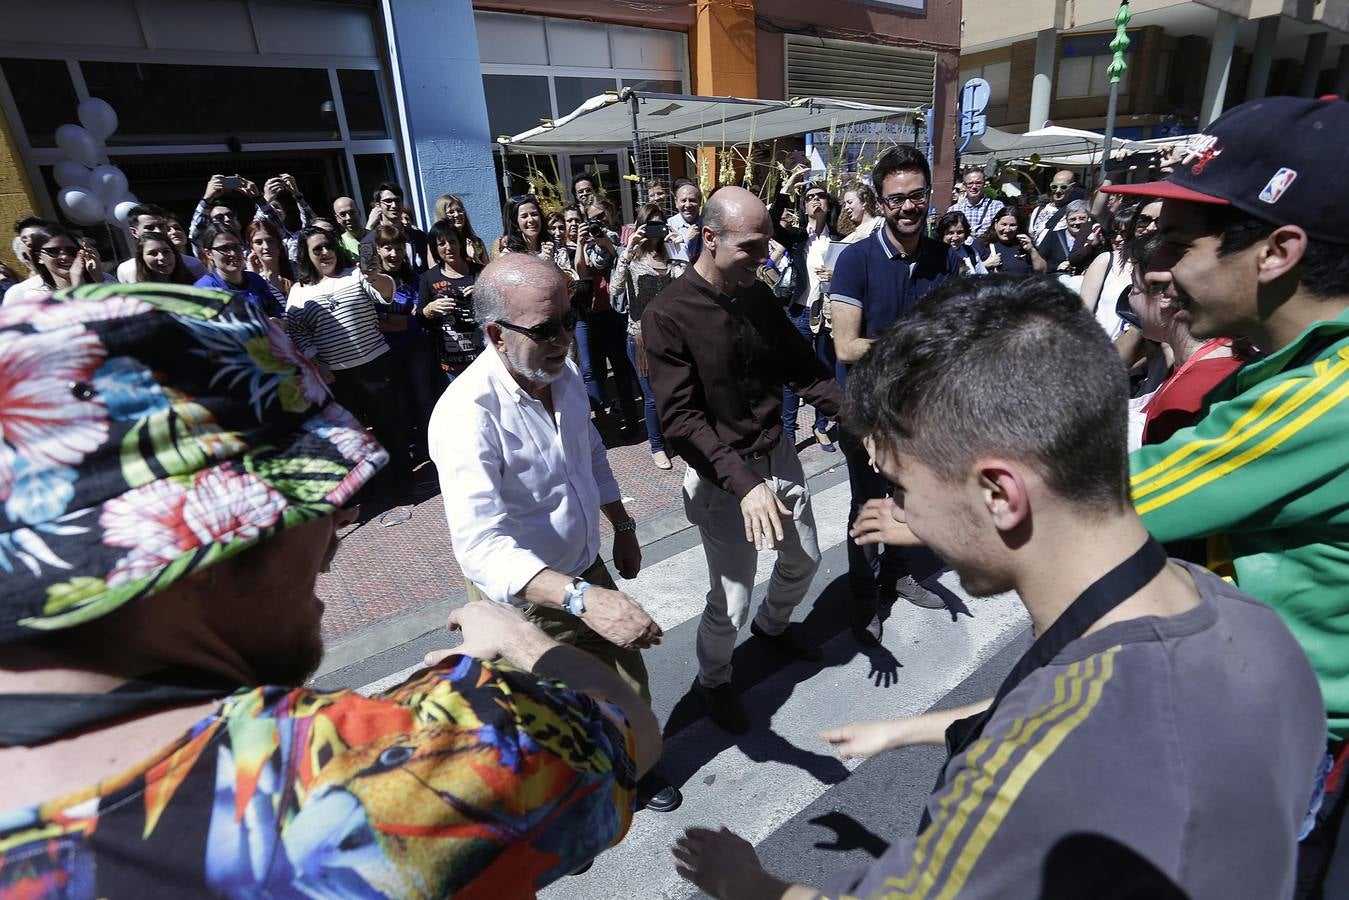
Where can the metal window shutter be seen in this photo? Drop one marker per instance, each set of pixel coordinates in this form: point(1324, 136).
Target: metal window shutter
point(867, 73)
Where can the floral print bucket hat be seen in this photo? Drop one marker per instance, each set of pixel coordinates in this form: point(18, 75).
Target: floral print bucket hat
point(148, 431)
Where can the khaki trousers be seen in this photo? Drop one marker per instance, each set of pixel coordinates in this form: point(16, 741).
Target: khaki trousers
point(565, 628)
point(732, 561)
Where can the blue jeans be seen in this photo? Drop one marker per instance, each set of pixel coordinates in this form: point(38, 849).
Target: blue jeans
point(791, 402)
point(653, 432)
point(600, 346)
point(873, 567)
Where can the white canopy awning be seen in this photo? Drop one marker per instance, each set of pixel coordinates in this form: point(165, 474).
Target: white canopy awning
point(605, 121)
point(1055, 145)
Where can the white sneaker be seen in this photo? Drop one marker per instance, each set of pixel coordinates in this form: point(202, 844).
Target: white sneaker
point(661, 460)
point(918, 595)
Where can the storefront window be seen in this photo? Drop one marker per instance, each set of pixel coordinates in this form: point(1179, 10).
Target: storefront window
point(363, 105)
point(373, 169)
point(572, 92)
point(515, 103)
point(43, 95)
point(172, 104)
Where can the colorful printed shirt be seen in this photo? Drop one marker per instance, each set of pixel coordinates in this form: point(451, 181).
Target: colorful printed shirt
point(1264, 475)
point(471, 779)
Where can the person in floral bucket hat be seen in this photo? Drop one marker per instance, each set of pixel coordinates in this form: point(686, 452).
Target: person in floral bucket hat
point(173, 476)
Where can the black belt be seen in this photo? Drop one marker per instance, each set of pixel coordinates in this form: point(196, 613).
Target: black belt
point(1107, 592)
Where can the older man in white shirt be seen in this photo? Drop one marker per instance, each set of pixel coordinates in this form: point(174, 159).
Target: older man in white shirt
point(524, 476)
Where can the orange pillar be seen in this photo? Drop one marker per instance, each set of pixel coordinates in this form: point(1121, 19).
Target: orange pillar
point(724, 64)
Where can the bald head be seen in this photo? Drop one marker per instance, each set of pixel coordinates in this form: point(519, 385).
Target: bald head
point(734, 210)
point(736, 230)
point(514, 282)
point(346, 213)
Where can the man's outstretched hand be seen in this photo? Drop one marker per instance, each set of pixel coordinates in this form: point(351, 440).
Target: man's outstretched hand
point(882, 522)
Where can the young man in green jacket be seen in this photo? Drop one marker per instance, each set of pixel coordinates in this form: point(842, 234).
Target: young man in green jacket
point(1257, 248)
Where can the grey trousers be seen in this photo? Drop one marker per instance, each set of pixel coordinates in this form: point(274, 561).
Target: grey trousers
point(733, 561)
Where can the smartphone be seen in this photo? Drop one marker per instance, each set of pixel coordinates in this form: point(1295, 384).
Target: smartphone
point(656, 230)
point(233, 182)
point(367, 256)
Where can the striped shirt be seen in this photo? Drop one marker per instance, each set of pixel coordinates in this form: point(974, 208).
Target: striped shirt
point(1264, 476)
point(335, 322)
point(1190, 741)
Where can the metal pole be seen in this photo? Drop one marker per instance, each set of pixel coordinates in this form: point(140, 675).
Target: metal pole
point(636, 150)
point(1116, 71)
point(505, 172)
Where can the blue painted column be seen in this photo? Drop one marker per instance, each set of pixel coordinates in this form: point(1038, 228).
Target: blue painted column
point(433, 46)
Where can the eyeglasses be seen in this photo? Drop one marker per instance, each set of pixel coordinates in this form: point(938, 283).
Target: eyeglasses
point(1144, 220)
point(224, 217)
point(228, 249)
point(524, 198)
point(390, 200)
point(544, 331)
point(897, 201)
point(1059, 188)
point(320, 249)
point(818, 195)
point(54, 252)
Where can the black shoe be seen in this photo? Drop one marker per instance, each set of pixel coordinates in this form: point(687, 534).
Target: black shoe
point(584, 869)
point(723, 707)
point(789, 643)
point(656, 794)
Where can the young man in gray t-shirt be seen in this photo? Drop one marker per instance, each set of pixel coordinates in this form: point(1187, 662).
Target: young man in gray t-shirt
point(1164, 726)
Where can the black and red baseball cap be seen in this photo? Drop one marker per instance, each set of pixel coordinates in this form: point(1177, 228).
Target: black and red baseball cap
point(1280, 159)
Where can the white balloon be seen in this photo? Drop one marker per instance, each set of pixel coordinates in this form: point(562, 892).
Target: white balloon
point(81, 206)
point(109, 183)
point(69, 173)
point(119, 213)
point(78, 144)
point(98, 117)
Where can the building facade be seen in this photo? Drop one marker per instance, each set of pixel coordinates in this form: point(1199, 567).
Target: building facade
point(1187, 61)
point(344, 94)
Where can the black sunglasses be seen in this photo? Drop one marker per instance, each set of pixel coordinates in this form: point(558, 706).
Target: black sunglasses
point(1144, 220)
point(524, 198)
point(223, 217)
point(544, 331)
point(54, 252)
point(228, 248)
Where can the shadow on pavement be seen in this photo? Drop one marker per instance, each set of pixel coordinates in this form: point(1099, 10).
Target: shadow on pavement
point(772, 679)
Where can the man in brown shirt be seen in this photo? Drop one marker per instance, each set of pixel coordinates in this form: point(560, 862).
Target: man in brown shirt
point(720, 349)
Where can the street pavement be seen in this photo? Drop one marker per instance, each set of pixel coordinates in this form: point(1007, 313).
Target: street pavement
point(780, 786)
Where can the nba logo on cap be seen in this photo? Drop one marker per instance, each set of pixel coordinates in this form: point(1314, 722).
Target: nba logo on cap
point(1281, 181)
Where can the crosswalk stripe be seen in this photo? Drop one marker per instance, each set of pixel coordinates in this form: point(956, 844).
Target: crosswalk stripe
point(767, 777)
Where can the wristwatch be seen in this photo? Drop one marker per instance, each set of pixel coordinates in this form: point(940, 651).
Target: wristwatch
point(629, 525)
point(574, 596)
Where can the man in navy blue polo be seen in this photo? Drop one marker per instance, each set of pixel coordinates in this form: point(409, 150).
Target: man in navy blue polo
point(874, 282)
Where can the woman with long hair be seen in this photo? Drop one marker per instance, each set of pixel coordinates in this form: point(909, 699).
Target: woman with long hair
point(522, 224)
point(1007, 247)
point(861, 210)
point(1110, 275)
point(157, 260)
point(409, 342)
point(64, 259)
point(450, 208)
point(332, 315)
point(268, 257)
point(952, 230)
point(224, 254)
point(177, 233)
point(445, 300)
point(643, 270)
